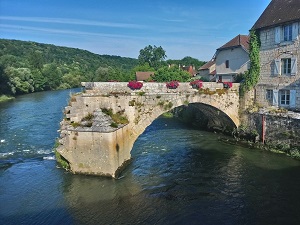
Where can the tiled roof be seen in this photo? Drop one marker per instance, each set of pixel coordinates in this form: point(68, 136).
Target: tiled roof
point(240, 40)
point(141, 76)
point(207, 65)
point(278, 12)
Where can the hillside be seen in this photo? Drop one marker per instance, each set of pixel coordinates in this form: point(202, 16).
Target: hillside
point(29, 67)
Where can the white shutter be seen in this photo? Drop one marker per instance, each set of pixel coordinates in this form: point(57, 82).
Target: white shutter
point(294, 66)
point(277, 35)
point(293, 98)
point(295, 31)
point(277, 67)
point(275, 97)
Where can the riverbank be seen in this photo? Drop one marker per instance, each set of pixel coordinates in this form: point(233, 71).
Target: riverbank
point(4, 98)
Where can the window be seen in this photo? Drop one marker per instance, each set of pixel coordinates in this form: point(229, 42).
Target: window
point(286, 66)
point(227, 63)
point(269, 95)
point(284, 97)
point(287, 33)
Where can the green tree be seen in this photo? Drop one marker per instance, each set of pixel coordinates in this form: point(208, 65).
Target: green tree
point(36, 60)
point(165, 74)
point(52, 76)
point(152, 55)
point(20, 80)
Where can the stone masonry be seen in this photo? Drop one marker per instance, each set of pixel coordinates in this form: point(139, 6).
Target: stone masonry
point(96, 147)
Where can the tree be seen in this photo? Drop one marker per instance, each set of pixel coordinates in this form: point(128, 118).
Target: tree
point(165, 74)
point(152, 55)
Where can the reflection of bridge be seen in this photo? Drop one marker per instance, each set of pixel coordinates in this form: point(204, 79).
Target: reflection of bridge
point(94, 147)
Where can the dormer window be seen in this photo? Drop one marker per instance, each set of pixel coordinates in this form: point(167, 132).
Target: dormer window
point(287, 32)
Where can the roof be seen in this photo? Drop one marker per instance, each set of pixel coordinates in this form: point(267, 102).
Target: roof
point(278, 12)
point(141, 76)
point(240, 40)
point(207, 65)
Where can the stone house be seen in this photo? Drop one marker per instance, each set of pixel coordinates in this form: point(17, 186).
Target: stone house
point(278, 28)
point(208, 70)
point(232, 59)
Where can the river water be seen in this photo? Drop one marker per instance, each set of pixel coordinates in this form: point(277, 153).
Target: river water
point(179, 175)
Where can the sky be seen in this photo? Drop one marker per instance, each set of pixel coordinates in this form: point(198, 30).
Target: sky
point(182, 28)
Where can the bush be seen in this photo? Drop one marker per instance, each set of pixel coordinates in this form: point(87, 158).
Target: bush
point(135, 85)
point(196, 84)
point(172, 84)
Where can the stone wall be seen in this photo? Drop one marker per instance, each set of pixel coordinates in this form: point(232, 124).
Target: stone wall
point(282, 130)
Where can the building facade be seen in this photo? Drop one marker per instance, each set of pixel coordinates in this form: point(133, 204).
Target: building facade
point(208, 70)
point(232, 59)
point(278, 28)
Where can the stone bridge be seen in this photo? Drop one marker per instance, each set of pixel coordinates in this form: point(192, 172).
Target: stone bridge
point(102, 123)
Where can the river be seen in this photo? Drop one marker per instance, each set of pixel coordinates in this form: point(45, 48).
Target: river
point(179, 175)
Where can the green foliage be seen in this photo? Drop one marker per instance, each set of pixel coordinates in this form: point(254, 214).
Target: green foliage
point(118, 118)
point(29, 67)
point(187, 61)
point(252, 77)
point(62, 161)
point(152, 55)
point(143, 67)
point(166, 74)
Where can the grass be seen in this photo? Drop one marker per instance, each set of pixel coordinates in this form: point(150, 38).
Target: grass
point(118, 118)
point(4, 98)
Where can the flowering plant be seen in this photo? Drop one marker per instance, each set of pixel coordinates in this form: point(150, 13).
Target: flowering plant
point(172, 84)
point(227, 84)
point(133, 85)
point(197, 84)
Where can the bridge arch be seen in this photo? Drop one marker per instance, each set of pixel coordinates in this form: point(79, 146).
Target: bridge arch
point(105, 153)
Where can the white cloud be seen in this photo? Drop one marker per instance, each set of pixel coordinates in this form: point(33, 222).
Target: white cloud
point(72, 21)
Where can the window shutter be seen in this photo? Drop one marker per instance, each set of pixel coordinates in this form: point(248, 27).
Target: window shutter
point(275, 97)
point(295, 31)
point(277, 67)
point(294, 66)
point(293, 98)
point(277, 35)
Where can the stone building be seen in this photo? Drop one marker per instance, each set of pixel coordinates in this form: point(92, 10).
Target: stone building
point(278, 28)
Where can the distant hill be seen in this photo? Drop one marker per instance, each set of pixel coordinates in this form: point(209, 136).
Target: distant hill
point(29, 66)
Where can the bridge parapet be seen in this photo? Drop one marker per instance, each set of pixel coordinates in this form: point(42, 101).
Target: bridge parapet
point(105, 88)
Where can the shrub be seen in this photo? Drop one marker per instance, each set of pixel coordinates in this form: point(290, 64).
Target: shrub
point(196, 84)
point(135, 85)
point(172, 84)
point(227, 84)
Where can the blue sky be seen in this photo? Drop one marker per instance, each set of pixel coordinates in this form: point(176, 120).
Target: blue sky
point(122, 27)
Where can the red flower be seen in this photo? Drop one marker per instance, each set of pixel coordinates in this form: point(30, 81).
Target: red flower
point(133, 85)
point(227, 84)
point(197, 84)
point(172, 84)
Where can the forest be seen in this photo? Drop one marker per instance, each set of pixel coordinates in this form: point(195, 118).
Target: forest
point(27, 67)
